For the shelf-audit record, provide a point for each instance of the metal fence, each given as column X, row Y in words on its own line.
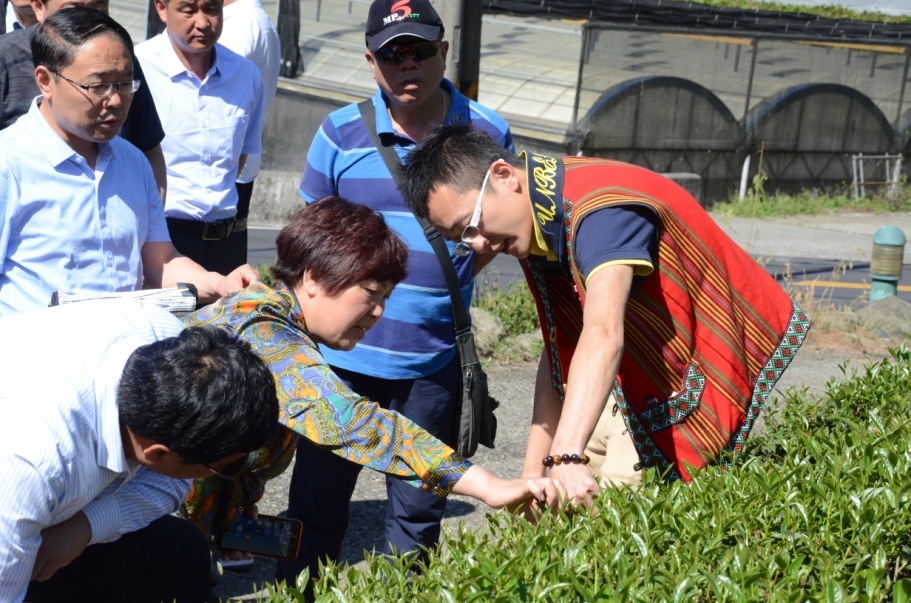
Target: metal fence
column 706, row 102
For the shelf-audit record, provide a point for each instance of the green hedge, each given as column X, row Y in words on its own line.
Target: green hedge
column 830, row 11
column 817, row 511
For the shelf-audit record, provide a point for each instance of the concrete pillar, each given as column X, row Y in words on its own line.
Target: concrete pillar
column 462, row 20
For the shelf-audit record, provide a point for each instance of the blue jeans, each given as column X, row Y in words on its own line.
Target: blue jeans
column 322, row 483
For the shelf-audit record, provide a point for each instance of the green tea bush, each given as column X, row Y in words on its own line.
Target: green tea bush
column 514, row 306
column 817, row 510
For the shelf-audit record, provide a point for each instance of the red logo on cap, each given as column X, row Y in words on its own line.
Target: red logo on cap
column 401, row 5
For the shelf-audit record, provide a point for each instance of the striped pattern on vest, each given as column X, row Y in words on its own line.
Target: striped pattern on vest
column 705, row 337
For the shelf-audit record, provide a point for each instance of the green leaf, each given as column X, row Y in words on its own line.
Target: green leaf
column 640, row 544
column 901, row 591
column 834, row 592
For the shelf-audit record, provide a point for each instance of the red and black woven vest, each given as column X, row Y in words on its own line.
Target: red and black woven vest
column 706, row 335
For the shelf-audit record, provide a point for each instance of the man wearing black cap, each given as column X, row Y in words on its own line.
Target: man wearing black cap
column 408, row 361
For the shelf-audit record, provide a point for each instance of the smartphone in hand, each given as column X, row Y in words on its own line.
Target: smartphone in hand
column 268, row 535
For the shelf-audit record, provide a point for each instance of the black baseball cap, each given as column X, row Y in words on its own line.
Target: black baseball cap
column 390, row 19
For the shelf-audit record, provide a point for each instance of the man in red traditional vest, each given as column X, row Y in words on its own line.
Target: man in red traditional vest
column 662, row 337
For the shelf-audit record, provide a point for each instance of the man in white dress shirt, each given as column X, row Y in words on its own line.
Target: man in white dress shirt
column 79, row 208
column 109, row 407
column 248, row 31
column 209, row 100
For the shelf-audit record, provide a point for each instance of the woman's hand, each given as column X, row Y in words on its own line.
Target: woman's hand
column 539, row 492
column 511, row 493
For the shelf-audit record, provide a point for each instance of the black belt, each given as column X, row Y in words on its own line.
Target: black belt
column 207, row 231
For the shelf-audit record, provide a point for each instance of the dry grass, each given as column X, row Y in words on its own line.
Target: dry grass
column 836, row 328
column 842, row 332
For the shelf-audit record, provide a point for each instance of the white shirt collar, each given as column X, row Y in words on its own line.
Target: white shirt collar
column 170, row 62
column 54, row 147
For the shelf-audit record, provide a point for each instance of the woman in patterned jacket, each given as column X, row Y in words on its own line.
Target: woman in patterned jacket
column 337, row 263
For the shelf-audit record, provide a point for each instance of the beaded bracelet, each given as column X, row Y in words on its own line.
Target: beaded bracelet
column 557, row 459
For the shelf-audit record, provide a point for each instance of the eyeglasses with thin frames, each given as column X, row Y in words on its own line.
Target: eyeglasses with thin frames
column 103, row 91
column 230, row 472
column 394, row 54
column 471, row 231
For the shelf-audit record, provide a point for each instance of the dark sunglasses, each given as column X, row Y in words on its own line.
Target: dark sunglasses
column 231, row 471
column 394, row 54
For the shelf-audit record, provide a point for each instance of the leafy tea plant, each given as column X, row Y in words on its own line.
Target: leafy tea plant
column 264, row 275
column 817, row 509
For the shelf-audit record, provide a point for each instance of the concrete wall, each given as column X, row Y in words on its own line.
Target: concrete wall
column 808, row 134
column 668, row 124
column 804, row 136
column 296, row 116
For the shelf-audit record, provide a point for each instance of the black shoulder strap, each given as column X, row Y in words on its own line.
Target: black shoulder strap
column 459, row 313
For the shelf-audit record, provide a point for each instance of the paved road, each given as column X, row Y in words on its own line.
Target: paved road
column 842, row 281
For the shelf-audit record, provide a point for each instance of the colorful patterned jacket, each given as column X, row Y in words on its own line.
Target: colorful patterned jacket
column 706, row 335
column 315, row 404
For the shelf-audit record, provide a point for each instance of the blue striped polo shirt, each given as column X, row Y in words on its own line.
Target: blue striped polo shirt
column 415, row 337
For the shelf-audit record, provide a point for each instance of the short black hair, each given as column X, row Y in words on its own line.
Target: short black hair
column 64, row 32
column 204, row 394
column 457, row 156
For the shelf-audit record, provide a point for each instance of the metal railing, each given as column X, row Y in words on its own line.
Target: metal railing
column 885, row 167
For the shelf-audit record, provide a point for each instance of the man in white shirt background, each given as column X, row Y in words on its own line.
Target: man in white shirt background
column 79, row 208
column 209, row 100
column 101, row 430
column 248, row 31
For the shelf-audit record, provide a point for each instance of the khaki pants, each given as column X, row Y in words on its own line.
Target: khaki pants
column 613, row 456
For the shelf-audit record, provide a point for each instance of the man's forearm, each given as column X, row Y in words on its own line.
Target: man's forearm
column 163, row 266
column 182, row 269
column 591, row 377
column 61, row 544
column 134, row 505
column 481, row 260
column 596, row 359
column 544, row 421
